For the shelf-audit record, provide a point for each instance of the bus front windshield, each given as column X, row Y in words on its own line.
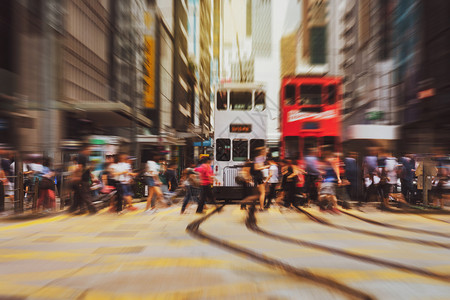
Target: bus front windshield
column 241, row 100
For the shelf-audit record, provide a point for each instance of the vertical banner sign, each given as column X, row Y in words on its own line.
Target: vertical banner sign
column 149, row 60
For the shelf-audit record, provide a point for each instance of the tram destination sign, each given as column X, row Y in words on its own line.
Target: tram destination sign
column 241, row 128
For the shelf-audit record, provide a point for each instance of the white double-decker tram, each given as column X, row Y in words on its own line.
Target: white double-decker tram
column 240, row 119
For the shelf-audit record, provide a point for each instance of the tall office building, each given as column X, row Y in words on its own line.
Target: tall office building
column 369, row 101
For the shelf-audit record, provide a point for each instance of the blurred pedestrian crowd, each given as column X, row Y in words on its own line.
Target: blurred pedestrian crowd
column 322, row 177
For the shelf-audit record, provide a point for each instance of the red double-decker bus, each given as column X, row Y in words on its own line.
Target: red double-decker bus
column 310, row 114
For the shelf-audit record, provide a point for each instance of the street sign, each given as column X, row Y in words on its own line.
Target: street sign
column 375, row 115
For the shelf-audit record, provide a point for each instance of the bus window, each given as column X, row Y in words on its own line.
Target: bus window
column 241, row 100
column 310, row 94
column 254, row 144
column 240, row 149
column 221, row 100
column 331, row 94
column 223, row 147
column 291, row 147
column 289, row 94
column 260, row 101
column 309, row 143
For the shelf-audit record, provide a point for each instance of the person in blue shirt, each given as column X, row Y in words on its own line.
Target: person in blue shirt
column 312, row 174
column 351, row 174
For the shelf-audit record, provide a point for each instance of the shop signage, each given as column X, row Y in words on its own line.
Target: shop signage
column 426, row 93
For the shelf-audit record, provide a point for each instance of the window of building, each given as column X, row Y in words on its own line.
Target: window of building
column 240, row 149
column 223, row 147
column 318, row 45
column 310, row 94
column 221, row 100
column 260, row 101
column 289, row 94
column 241, row 100
column 291, row 144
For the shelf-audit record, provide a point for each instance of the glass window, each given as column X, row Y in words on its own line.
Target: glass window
column 240, row 149
column 221, row 100
column 310, row 125
column 309, row 143
column 330, row 142
column 317, row 44
column 289, row 94
column 223, row 147
column 260, row 101
column 331, row 94
column 254, row 144
column 291, row 147
column 310, row 94
column 241, row 100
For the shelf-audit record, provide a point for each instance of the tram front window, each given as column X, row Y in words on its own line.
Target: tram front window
column 241, row 100
column 260, row 101
column 240, row 149
column 291, row 147
column 221, row 99
column 309, row 143
column 223, row 147
column 311, row 94
column 255, row 144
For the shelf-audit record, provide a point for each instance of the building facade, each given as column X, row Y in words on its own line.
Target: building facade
column 369, row 115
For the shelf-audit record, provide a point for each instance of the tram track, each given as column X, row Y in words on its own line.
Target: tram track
column 392, row 226
column 372, row 233
column 252, row 225
column 194, row 229
column 434, row 219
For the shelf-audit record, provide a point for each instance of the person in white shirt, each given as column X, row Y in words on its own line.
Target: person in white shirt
column 273, row 182
column 153, row 183
column 122, row 172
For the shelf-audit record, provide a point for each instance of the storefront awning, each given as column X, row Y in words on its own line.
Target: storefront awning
column 160, row 140
column 108, row 114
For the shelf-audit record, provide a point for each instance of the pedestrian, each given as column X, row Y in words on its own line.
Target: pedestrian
column 351, row 174
column 273, row 182
column 46, row 187
column 330, row 178
column 441, row 178
column 124, row 174
column 312, row 175
column 191, row 185
column 407, row 170
column 248, row 176
column 81, row 183
column 371, row 174
column 206, row 182
column 259, row 168
column 152, row 179
column 290, row 178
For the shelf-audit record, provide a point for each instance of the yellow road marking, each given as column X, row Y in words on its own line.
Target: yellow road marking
column 35, row 222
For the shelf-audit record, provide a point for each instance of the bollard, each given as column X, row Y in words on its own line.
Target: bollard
column 35, row 193
column 2, row 197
